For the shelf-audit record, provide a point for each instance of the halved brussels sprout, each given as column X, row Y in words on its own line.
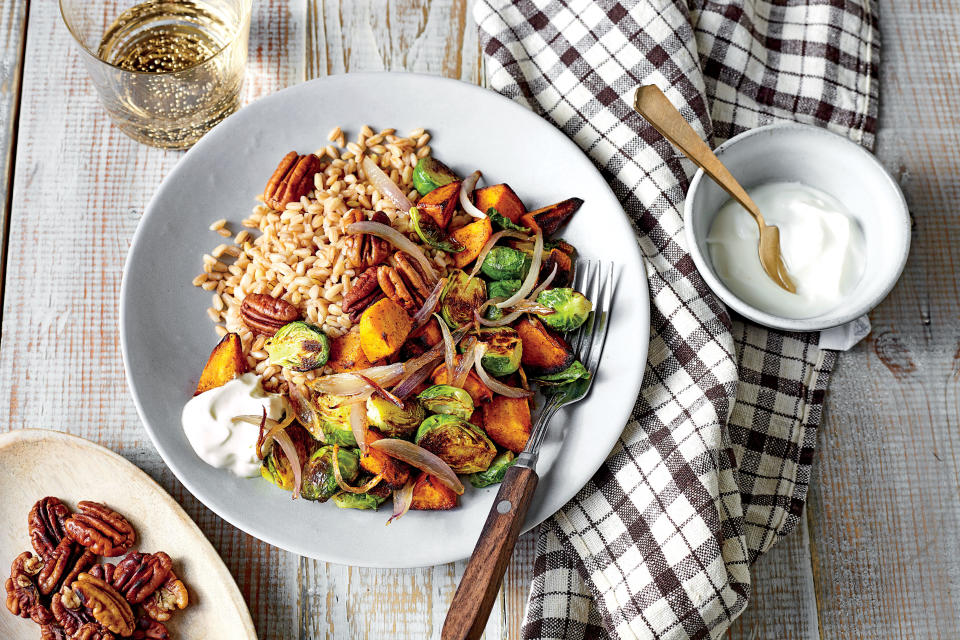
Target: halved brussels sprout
column 332, row 424
column 461, row 297
column 504, row 222
column 276, row 468
column 299, row 345
column 430, row 173
column 447, row 400
column 495, row 472
column 500, row 289
column 319, row 483
column 504, row 263
column 457, row 442
column 391, row 420
column 346, row 500
column 431, row 233
column 570, row 307
column 504, row 350
column 575, row 371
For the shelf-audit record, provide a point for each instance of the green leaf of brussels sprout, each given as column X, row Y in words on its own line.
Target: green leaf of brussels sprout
column 319, row 483
column 346, row 500
column 500, row 289
column 504, row 222
column 504, row 350
column 391, row 420
column 299, row 346
column 447, row 400
column 570, row 307
column 575, row 371
column 504, row 263
column 332, row 425
column 461, row 297
column 430, row 173
column 460, row 444
column 495, row 472
column 431, row 233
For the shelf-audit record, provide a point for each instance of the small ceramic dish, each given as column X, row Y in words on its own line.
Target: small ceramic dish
column 826, row 161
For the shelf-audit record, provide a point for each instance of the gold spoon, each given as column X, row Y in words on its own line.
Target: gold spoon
column 659, row 112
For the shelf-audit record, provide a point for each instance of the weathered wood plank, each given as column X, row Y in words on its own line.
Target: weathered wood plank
column 884, row 510
column 79, row 191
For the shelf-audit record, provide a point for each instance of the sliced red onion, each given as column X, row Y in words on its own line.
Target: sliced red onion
column 398, row 240
column 492, row 383
column 382, row 182
column 489, row 245
column 269, row 428
column 531, row 280
column 402, row 499
column 286, row 444
column 422, row 316
column 449, row 351
column 383, row 393
column 338, row 476
column 544, row 284
column 358, row 425
column 421, row 459
column 463, row 369
column 348, row 384
column 413, row 379
column 466, row 189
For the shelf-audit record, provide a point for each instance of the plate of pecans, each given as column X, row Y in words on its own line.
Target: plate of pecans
column 97, row 549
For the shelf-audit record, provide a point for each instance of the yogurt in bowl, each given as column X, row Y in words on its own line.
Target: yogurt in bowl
column 844, row 227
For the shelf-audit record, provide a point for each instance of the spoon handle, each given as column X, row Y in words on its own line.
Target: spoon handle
column 653, row 105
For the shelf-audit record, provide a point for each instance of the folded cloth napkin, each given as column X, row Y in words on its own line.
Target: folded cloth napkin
column 713, row 466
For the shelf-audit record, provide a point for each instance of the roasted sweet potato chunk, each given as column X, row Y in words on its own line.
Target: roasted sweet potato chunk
column 384, row 327
column 429, row 494
column 543, row 350
column 395, row 472
column 472, row 236
column 502, row 198
column 507, row 422
column 478, row 391
column 440, row 203
column 551, row 218
column 346, row 354
column 225, row 363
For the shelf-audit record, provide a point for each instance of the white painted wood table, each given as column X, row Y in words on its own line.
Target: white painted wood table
column 878, row 554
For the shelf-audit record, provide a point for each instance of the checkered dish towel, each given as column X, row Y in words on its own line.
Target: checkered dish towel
column 713, row 466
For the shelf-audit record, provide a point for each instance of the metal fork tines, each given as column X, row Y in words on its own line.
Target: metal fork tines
column 593, row 279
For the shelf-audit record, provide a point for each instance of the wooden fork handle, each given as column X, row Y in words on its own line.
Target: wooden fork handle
column 656, row 108
column 478, row 588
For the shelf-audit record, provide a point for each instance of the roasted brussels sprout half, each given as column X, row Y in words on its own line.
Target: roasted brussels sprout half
column 503, row 352
column 391, row 420
column 457, row 442
column 332, row 424
column 500, row 289
column 319, row 483
column 495, row 472
column 447, row 400
column 431, row 233
column 346, row 500
column 503, row 222
column 504, row 263
column 575, row 371
column 461, row 297
column 299, row 345
column 276, row 468
column 430, row 173
column 570, row 307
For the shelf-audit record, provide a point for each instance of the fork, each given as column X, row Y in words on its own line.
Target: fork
column 474, row 598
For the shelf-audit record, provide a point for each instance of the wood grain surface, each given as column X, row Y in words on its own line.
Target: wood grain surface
column 878, row 555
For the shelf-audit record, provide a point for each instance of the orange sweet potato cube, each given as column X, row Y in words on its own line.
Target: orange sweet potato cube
column 429, row 494
column 472, row 236
column 507, row 422
column 225, row 363
column 440, row 203
column 502, row 198
column 346, row 354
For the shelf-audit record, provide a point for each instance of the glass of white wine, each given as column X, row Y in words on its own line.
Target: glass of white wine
column 167, row 71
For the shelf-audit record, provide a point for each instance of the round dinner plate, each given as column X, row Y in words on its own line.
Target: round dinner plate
column 166, row 334
column 38, row 463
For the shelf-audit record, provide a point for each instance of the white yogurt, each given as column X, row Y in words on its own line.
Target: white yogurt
column 821, row 243
column 219, row 441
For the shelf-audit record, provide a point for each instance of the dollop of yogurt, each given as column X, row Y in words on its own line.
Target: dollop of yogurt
column 821, row 243
column 219, row 440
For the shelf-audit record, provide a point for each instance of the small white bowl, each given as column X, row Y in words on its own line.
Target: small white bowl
column 826, row 161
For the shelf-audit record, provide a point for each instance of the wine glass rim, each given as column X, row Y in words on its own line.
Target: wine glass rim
column 247, row 8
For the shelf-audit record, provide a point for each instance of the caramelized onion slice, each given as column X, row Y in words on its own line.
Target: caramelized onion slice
column 387, row 187
column 421, row 459
column 402, row 499
column 466, row 189
column 374, row 481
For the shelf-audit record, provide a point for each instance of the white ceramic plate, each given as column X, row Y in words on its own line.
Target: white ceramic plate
column 38, row 463
column 166, row 335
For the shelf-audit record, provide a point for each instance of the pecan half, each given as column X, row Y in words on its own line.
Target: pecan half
column 104, row 531
column 63, row 566
column 172, row 595
column 53, row 632
column 264, row 314
column 104, row 603
column 103, row 571
column 364, row 250
column 393, row 286
column 412, row 275
column 23, row 597
column 45, row 524
column 292, row 179
column 364, row 291
column 140, row 574
column 68, row 612
column 148, row 629
column 92, row 631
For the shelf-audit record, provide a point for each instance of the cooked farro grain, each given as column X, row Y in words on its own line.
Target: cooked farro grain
column 297, row 255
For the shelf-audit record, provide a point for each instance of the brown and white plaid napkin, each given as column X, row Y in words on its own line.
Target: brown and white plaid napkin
column 713, row 467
